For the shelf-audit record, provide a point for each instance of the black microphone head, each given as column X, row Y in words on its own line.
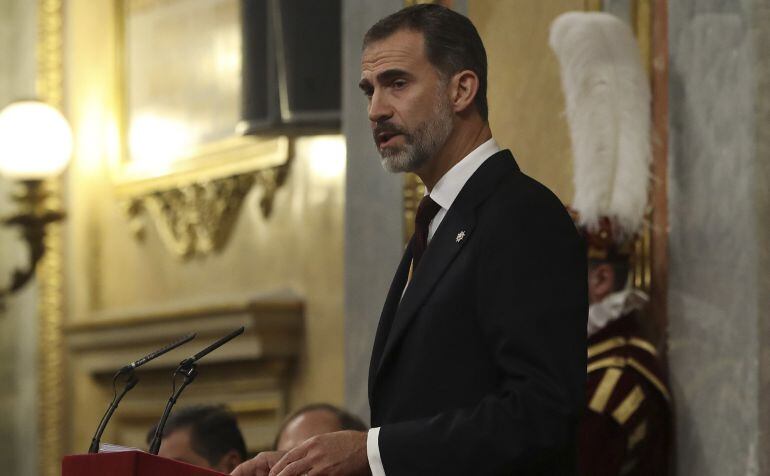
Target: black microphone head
column 219, row 343
column 157, row 353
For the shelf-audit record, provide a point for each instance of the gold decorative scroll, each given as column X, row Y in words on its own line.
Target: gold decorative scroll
column 192, row 195
column 198, row 218
column 49, row 275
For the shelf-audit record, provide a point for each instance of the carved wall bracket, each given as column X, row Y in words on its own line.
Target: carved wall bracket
column 198, row 218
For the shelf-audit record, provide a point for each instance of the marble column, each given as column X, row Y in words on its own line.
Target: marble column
column 18, row 313
column 719, row 210
column 373, row 210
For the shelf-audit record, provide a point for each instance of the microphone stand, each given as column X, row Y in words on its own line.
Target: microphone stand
column 190, row 371
column 188, row 368
column 131, row 381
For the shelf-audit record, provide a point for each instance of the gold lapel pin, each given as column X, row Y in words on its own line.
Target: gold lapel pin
column 460, row 236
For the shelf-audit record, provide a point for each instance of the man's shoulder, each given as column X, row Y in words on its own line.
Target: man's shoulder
column 519, row 189
column 509, row 184
column 518, row 197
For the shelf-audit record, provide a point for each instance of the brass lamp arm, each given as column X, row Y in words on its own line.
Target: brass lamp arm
column 33, row 225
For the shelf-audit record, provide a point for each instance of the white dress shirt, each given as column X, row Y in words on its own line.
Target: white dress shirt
column 444, row 194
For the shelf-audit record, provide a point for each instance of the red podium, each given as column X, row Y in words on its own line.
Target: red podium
column 129, row 463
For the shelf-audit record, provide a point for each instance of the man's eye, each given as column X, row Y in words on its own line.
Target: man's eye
column 399, row 83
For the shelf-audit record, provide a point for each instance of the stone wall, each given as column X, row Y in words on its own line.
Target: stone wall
column 719, row 221
column 18, row 319
column 373, row 210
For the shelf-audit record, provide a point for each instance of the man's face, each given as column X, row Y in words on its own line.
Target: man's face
column 177, row 446
column 601, row 282
column 409, row 108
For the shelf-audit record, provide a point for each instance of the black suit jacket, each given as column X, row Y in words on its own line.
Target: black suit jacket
column 480, row 368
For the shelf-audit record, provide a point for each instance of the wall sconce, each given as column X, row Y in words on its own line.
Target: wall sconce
column 35, row 144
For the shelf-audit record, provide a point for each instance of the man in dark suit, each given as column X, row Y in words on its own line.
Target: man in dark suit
column 478, row 365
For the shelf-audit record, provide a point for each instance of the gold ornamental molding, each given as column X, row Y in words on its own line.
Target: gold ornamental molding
column 49, row 275
column 192, row 195
column 195, row 215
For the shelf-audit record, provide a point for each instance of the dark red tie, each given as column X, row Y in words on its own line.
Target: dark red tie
column 425, row 213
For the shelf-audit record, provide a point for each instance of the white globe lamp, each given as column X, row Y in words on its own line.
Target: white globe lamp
column 35, row 141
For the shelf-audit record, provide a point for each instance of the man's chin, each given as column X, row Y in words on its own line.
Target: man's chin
column 394, row 167
column 397, row 162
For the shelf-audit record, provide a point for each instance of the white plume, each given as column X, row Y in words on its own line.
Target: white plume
column 608, row 111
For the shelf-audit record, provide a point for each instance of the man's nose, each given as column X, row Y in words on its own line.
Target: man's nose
column 379, row 108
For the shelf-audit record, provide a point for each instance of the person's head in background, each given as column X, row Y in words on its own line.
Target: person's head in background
column 313, row 420
column 203, row 435
column 606, row 277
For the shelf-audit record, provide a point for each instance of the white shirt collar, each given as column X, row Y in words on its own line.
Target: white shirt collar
column 448, row 187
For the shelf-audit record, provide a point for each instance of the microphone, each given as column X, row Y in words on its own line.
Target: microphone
column 155, row 354
column 131, row 381
column 188, row 369
column 219, row 343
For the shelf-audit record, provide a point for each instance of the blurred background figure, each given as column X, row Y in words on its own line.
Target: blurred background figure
column 312, row 420
column 203, row 435
column 626, row 427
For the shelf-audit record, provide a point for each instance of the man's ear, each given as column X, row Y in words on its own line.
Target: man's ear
column 465, row 86
column 229, row 462
column 601, row 281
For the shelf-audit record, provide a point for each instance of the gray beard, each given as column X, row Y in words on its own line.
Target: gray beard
column 422, row 144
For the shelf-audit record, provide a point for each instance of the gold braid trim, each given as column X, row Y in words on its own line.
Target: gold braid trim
column 629, row 405
column 616, row 342
column 655, row 381
column 621, row 362
column 639, row 433
column 604, row 390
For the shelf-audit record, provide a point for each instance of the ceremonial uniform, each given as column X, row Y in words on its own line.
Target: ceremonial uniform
column 625, row 429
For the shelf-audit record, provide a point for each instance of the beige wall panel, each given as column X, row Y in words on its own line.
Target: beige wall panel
column 18, row 313
column 297, row 250
column 525, row 97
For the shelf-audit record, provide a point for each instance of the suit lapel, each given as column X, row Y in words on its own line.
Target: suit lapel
column 449, row 239
column 389, row 311
column 442, row 250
